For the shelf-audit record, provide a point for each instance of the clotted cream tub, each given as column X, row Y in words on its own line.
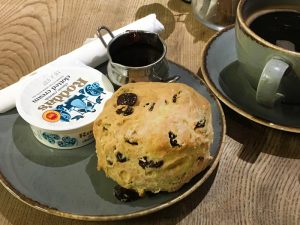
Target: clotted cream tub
column 61, row 104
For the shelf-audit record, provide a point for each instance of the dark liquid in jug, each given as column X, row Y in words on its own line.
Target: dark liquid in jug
column 277, row 27
column 137, row 55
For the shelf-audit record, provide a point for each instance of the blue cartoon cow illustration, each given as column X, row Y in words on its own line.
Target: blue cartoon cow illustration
column 78, row 105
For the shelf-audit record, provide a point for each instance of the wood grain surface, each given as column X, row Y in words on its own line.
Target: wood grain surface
column 257, row 180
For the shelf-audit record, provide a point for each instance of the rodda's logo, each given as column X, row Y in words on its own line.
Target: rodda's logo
column 62, row 96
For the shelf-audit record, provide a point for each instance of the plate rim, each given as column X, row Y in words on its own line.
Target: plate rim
column 52, row 211
column 228, row 102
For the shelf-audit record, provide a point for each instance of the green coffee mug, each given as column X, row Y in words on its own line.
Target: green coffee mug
column 268, row 42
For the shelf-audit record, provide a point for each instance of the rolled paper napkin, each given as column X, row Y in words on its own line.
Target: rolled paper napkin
column 92, row 54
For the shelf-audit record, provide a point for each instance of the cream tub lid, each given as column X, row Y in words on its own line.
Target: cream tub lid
column 64, row 98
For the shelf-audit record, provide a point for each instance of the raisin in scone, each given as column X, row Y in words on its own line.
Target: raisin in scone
column 154, row 136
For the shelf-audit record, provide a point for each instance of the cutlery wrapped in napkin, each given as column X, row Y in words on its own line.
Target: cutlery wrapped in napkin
column 90, row 54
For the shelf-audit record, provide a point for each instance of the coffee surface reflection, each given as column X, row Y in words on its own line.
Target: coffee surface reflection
column 281, row 28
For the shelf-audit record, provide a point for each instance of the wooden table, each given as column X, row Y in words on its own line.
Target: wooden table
column 258, row 178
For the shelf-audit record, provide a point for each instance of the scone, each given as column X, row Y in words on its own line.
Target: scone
column 154, row 136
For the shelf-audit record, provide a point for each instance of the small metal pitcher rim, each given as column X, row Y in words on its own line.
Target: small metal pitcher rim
column 114, row 38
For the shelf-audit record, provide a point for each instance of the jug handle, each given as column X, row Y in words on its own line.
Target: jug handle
column 101, row 37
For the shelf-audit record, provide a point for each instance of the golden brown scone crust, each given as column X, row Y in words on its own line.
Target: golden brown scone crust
column 161, row 144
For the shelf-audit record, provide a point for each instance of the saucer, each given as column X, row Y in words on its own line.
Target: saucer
column 224, row 76
column 66, row 183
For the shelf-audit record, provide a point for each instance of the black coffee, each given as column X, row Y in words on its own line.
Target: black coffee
column 279, row 28
column 137, row 55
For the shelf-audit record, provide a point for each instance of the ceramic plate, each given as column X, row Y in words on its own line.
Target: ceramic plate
column 67, row 184
column 224, row 77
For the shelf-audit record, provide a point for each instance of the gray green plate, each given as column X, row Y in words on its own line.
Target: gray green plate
column 66, row 183
column 224, row 76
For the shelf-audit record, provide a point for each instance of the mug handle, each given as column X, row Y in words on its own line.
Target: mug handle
column 267, row 90
column 101, row 37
